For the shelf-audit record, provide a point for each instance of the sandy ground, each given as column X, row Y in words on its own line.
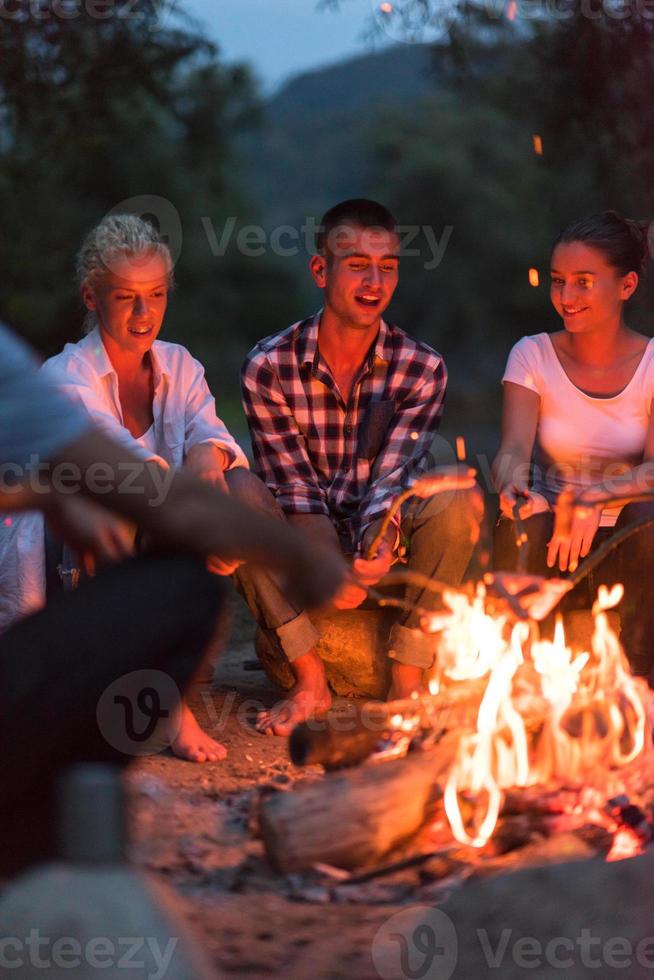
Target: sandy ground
column 193, row 828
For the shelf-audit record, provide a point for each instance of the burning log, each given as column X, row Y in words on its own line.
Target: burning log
column 339, row 743
column 352, row 818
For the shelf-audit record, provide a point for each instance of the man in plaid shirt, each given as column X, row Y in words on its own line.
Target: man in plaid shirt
column 342, row 409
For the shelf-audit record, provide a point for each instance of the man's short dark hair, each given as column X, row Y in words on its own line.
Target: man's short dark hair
column 357, row 211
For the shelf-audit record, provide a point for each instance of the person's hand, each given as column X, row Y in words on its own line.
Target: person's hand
column 208, row 463
column 316, row 574
column 372, row 570
column 95, row 534
column 366, row 571
column 219, row 566
column 526, row 596
column 511, row 493
column 349, row 596
column 573, row 541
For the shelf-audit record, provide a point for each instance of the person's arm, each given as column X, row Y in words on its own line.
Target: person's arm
column 189, row 515
column 279, row 445
column 203, row 429
column 511, row 465
column 402, row 455
column 577, row 518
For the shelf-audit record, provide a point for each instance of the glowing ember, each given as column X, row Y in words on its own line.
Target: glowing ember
column 386, row 8
column 460, row 449
column 534, row 278
column 546, row 716
column 538, row 145
column 626, row 844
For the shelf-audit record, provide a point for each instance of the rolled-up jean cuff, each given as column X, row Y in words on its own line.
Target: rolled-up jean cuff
column 411, row 646
column 297, row 637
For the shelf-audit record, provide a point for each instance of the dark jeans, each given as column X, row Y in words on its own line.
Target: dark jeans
column 146, row 614
column 631, row 563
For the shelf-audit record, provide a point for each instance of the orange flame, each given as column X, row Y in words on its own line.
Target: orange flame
column 590, row 716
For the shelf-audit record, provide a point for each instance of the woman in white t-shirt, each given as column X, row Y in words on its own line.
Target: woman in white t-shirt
column 577, row 412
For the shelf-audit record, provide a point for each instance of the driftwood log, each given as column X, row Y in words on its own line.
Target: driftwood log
column 354, row 817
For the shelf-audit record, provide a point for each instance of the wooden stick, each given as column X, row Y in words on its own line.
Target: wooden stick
column 600, row 553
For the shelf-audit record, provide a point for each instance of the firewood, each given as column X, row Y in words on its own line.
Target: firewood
column 336, row 742
column 354, row 817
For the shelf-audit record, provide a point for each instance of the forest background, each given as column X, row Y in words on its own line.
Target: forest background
column 140, row 112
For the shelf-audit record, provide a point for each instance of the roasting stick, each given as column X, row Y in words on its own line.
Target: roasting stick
column 439, row 480
column 551, row 590
column 564, row 510
column 521, row 539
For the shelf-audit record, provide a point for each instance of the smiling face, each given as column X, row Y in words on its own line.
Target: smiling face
column 358, row 273
column 587, row 292
column 130, row 301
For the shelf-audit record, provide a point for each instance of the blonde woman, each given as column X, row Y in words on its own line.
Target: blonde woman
column 149, row 395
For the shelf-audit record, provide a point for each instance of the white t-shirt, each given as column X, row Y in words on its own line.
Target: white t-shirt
column 581, row 439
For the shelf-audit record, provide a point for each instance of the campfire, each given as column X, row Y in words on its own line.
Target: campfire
column 547, row 716
column 523, row 750
column 519, row 740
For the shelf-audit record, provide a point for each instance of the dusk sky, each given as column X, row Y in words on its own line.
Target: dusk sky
column 283, row 37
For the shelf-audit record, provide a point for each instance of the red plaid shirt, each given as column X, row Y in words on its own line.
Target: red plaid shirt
column 320, row 456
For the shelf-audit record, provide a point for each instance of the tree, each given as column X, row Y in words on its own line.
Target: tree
column 97, row 107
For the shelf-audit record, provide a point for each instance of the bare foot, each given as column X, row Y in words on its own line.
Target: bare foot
column 194, row 744
column 307, row 698
column 405, row 680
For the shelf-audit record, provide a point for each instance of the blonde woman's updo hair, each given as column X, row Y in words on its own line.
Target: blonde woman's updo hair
column 117, row 236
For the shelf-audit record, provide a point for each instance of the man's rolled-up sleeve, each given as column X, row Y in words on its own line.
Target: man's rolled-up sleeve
column 279, row 446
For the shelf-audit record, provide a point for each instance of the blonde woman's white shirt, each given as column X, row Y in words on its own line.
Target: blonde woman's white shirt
column 184, row 414
column 581, row 439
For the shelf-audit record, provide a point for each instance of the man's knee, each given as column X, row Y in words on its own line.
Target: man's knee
column 247, row 488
